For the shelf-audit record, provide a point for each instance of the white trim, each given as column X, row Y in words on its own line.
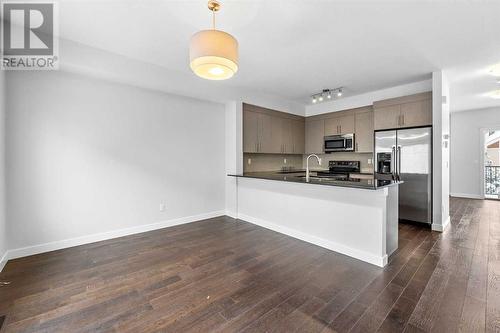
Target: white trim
column 380, row 261
column 65, row 243
column 466, row 195
column 443, row 227
column 3, row 261
column 232, row 214
column 482, row 153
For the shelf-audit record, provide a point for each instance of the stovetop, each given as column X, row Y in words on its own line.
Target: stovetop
column 340, row 170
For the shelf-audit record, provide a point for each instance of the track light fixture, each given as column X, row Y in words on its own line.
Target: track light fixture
column 326, row 94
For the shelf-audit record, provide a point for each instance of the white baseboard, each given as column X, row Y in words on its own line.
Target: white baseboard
column 3, row 261
column 466, row 195
column 232, row 214
column 361, row 255
column 65, row 243
column 441, row 227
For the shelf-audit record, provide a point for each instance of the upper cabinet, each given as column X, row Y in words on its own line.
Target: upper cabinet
column 315, row 136
column 273, row 132
column 298, row 137
column 387, row 117
column 408, row 111
column 364, row 132
column 256, row 132
column 339, row 125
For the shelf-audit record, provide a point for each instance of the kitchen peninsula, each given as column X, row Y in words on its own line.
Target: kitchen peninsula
column 343, row 206
column 358, row 219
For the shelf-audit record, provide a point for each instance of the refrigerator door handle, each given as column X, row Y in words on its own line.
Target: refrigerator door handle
column 399, row 163
column 393, row 163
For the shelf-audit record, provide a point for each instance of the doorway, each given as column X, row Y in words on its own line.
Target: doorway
column 492, row 164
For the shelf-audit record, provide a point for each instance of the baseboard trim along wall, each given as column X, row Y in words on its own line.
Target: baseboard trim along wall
column 466, row 195
column 3, row 261
column 66, row 243
column 439, row 227
column 361, row 255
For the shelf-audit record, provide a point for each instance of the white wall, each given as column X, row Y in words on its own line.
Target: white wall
column 466, row 150
column 368, row 98
column 441, row 151
column 3, row 229
column 85, row 156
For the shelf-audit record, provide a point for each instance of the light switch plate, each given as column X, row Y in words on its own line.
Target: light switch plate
column 249, row 161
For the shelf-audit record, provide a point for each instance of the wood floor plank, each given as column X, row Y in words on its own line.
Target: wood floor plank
column 226, row 275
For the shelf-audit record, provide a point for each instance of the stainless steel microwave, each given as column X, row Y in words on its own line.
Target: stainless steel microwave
column 335, row 143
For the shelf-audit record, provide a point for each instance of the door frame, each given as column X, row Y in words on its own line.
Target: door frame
column 482, row 150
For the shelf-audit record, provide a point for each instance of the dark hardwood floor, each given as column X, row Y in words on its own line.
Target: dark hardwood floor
column 224, row 275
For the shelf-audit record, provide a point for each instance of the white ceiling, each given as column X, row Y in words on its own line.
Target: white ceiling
column 295, row 48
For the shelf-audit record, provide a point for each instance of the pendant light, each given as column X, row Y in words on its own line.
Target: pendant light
column 213, row 54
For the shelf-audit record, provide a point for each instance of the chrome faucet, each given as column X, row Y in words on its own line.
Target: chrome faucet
column 307, row 165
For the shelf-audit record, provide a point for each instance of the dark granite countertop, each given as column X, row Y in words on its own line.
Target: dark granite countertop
column 367, row 184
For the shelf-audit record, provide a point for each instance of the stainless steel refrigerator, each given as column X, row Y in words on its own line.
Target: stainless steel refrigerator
column 406, row 155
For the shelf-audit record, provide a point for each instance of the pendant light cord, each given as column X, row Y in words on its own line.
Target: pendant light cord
column 213, row 19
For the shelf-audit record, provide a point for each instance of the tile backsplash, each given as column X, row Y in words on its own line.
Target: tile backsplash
column 366, row 160
column 270, row 162
column 274, row 162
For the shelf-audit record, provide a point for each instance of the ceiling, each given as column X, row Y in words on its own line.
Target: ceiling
column 296, row 48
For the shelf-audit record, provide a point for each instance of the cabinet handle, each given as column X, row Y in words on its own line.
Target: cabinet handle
column 357, row 146
column 403, row 119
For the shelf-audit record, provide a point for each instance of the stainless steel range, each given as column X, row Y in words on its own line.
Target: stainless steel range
column 340, row 170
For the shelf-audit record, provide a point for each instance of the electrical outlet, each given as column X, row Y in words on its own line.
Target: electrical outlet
column 284, row 160
column 163, row 207
column 370, row 161
column 249, row 161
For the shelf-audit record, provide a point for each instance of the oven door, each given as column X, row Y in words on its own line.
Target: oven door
column 335, row 143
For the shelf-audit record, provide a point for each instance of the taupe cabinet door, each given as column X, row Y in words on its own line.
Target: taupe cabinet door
column 250, row 132
column 287, row 136
column 387, row 117
column 364, row 132
column 256, row 132
column 404, row 112
column 276, row 145
column 270, row 133
column 315, row 136
column 339, row 125
column 298, row 137
column 416, row 113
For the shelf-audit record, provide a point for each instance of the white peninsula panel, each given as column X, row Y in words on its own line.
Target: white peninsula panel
column 360, row 223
